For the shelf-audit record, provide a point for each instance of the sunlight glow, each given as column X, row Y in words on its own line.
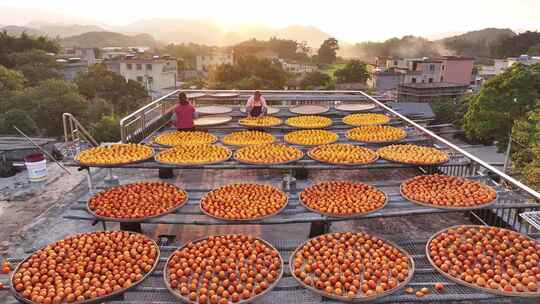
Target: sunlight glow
column 348, row 20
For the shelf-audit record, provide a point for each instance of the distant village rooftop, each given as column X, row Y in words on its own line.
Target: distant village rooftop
column 433, row 85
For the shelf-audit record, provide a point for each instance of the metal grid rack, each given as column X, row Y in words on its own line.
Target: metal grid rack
column 294, row 212
column 289, row 291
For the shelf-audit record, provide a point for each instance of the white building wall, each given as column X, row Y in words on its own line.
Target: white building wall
column 205, row 62
column 154, row 75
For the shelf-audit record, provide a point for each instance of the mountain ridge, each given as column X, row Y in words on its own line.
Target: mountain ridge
column 108, row 39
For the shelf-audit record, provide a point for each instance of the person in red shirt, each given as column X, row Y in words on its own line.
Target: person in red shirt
column 185, row 114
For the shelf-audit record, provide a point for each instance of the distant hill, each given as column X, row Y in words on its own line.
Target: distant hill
column 15, row 30
column 105, row 39
column 476, row 43
column 64, row 30
column 177, row 30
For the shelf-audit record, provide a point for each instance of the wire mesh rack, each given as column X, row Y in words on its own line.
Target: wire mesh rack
column 295, row 212
column 288, row 290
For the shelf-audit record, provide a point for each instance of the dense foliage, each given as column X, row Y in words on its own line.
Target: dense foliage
column 501, row 101
column 526, row 148
column 315, row 80
column 10, row 45
column 33, row 96
column 353, row 71
column 46, row 102
column 289, row 50
column 478, row 44
column 524, row 43
column 405, row 47
column 124, row 96
column 248, row 73
column 327, row 53
column 451, row 110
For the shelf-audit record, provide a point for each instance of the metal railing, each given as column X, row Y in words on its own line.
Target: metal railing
column 75, row 135
column 144, row 121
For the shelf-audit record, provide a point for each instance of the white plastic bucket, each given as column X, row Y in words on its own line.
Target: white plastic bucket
column 36, row 165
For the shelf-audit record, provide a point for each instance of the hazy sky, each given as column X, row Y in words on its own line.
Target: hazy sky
column 348, row 20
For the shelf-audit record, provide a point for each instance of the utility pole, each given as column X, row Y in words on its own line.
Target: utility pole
column 508, row 147
column 507, row 156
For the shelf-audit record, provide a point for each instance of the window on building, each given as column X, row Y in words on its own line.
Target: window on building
column 443, row 67
column 139, row 78
column 442, row 79
column 432, row 68
column 430, row 80
column 129, row 66
column 413, row 80
column 139, row 66
column 148, row 67
column 395, row 62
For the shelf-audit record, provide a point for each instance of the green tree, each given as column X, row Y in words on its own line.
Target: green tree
column 516, row 45
column 501, row 101
column 290, row 50
column 405, row 47
column 19, row 118
column 101, row 83
column 526, row 148
column 353, row 71
column 106, row 129
column 314, row 79
column 36, row 65
column 328, row 51
column 46, row 102
column 10, row 80
column 450, row 111
column 248, row 73
column 18, row 44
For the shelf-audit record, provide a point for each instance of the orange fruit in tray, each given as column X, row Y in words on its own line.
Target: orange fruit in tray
column 268, row 154
column 245, row 138
column 345, row 154
column 340, row 198
column 376, row 134
column 185, row 138
column 194, row 154
column 263, row 121
column 492, row 259
column 137, row 200
column 351, row 266
column 447, row 191
column 114, row 154
column 311, row 137
column 365, row 119
column 86, row 267
column 243, row 201
column 223, row 269
column 309, row 122
column 413, row 154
